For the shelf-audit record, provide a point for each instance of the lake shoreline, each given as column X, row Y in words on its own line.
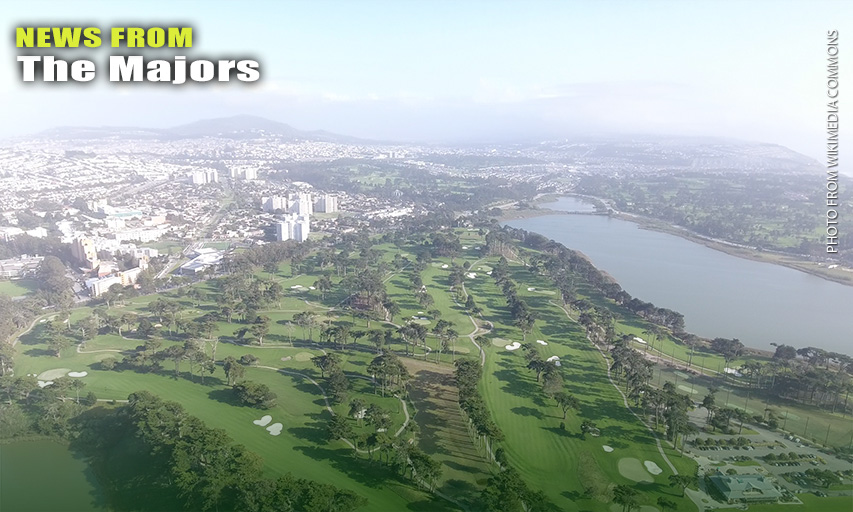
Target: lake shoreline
column 789, row 261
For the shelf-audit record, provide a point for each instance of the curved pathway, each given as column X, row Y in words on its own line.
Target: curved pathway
column 624, row 398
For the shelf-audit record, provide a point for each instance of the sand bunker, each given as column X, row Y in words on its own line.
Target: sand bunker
column 77, row 374
column 607, row 448
column 53, row 374
column 471, row 275
column 652, row 468
column 489, row 273
column 263, row 421
column 531, row 289
column 555, row 360
column 43, row 384
column 303, row 356
column 639, row 340
column 633, row 469
column 513, row 346
column 296, row 287
column 542, row 342
column 445, row 265
column 420, row 312
column 274, row 429
column 312, row 288
column 464, row 247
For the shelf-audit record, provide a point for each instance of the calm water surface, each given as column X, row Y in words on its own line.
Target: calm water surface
column 718, row 294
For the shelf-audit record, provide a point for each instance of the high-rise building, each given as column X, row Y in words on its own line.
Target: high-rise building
column 293, row 227
column 326, row 203
column 83, row 250
column 271, row 204
column 301, row 204
column 211, row 176
column 250, row 174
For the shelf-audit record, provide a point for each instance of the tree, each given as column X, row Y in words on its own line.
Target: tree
column 588, row 427
column 260, row 328
column 326, row 362
column 357, row 408
column 233, row 370
column 785, row 353
column 339, row 428
column 626, row 496
column 338, row 385
column 682, row 481
column 254, row 394
column 666, row 504
column 566, row 401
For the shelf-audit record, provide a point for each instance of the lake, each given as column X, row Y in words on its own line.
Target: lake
column 45, row 476
column 719, row 295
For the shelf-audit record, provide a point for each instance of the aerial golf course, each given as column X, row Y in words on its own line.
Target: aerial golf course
column 572, row 467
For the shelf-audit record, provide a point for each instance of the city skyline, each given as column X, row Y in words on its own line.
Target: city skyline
column 474, row 72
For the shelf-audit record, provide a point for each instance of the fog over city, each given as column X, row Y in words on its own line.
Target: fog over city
column 471, row 72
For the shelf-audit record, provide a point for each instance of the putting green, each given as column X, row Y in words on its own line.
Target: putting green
column 682, row 375
column 421, row 322
column 686, row 389
column 546, row 292
column 633, row 469
column 500, row 342
column 303, row 356
column 53, row 374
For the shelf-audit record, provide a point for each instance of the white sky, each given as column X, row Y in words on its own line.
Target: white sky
column 442, row 70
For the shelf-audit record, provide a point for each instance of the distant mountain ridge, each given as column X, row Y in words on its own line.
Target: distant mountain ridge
column 235, row 127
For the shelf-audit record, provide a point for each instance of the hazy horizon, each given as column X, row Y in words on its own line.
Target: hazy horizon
column 442, row 72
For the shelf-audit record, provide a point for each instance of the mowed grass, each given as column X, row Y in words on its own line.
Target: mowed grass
column 18, row 287
column 302, row 447
column 574, row 473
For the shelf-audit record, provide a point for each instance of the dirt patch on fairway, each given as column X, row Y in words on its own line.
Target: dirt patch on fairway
column 286, row 358
column 303, row 356
column 633, row 469
column 444, row 432
column 591, row 477
column 53, row 374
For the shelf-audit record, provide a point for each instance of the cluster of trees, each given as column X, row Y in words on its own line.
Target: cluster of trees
column 522, row 316
column 208, row 469
column 48, row 411
column 389, row 373
column 480, row 425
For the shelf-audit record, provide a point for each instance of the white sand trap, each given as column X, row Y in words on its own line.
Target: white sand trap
column 77, row 374
column 286, row 358
column 53, row 374
column 607, row 448
column 633, row 469
column 639, row 340
column 158, row 325
column 296, row 287
column 542, row 342
column 471, row 275
column 44, row 384
column 445, row 265
column 553, row 358
column 303, row 356
column 489, row 273
column 420, row 312
column 464, row 247
column 312, row 288
column 274, row 429
column 531, row 289
column 263, row 421
column 687, row 389
column 513, row 346
column 652, row 468
column 477, row 248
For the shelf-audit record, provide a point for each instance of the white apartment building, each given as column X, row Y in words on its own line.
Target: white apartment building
column 301, row 204
column 326, row 203
column 271, row 204
column 293, row 227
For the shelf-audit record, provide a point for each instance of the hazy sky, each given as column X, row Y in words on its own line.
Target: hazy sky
column 466, row 70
